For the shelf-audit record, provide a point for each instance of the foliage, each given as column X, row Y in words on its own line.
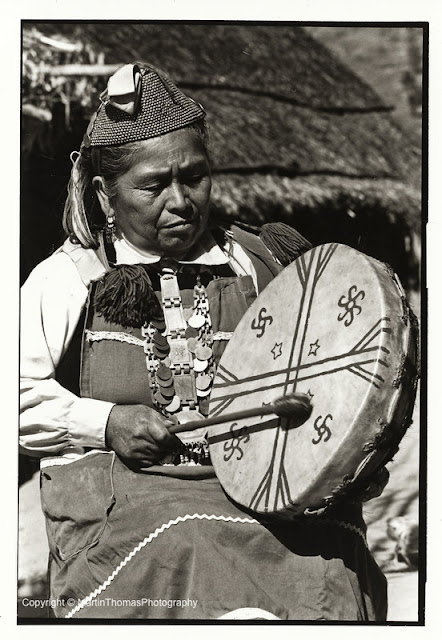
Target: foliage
column 41, row 88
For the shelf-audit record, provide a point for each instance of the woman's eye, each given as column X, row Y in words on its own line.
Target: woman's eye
column 153, row 188
column 191, row 180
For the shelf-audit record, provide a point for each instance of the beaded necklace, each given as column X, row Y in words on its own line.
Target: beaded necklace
column 179, row 358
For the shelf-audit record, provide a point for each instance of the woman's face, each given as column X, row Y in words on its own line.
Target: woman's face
column 162, row 201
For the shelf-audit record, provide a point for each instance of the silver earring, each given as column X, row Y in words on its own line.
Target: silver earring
column 110, row 228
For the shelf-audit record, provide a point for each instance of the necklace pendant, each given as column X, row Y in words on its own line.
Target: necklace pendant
column 196, row 321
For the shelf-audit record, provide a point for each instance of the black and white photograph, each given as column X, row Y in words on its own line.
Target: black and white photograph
column 223, row 320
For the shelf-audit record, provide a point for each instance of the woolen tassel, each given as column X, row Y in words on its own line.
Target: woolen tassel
column 125, row 296
column 283, row 242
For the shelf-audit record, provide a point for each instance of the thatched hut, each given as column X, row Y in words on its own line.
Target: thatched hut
column 295, row 135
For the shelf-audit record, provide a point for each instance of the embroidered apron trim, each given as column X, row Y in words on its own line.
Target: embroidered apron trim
column 119, row 336
column 346, row 525
column 143, row 543
column 196, row 516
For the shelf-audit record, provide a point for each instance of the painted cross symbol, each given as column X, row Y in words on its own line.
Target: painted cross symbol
column 350, row 305
column 230, row 446
column 260, row 324
column 323, row 430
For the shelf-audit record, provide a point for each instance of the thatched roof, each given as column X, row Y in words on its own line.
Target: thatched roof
column 292, row 128
column 282, row 61
column 275, row 98
column 280, row 136
column 266, row 194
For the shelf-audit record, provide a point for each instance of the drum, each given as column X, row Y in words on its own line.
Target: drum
column 335, row 325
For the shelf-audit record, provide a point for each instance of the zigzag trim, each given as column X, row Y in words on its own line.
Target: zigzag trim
column 195, row 516
column 143, row 543
column 346, row 525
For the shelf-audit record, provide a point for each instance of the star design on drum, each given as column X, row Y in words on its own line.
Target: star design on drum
column 314, row 346
column 277, row 350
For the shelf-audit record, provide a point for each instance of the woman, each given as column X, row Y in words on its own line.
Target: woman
column 123, row 328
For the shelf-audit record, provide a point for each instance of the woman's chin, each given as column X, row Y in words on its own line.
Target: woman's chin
column 180, row 240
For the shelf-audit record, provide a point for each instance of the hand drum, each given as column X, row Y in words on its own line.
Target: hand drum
column 334, row 325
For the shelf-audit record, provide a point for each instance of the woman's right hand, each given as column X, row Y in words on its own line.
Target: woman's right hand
column 140, row 435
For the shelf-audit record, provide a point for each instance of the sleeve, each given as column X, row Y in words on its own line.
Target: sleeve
column 51, row 417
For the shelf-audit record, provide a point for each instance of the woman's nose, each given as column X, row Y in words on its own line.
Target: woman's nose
column 177, row 197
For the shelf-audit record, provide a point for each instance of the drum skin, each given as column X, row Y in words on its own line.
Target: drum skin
column 334, row 325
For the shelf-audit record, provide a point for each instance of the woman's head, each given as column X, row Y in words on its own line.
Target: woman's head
column 166, row 131
column 161, row 201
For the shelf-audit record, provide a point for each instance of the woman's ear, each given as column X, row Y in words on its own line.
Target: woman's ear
column 102, row 196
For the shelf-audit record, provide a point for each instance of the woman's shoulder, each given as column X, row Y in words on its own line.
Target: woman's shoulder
column 70, row 264
column 73, row 257
column 282, row 241
column 86, row 261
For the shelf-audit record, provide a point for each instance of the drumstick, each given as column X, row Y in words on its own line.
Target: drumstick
column 296, row 406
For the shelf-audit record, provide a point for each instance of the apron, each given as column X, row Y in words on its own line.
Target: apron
column 128, row 545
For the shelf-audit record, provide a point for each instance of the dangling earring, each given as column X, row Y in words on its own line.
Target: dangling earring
column 110, row 228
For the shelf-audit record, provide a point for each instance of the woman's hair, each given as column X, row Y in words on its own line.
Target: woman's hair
column 82, row 216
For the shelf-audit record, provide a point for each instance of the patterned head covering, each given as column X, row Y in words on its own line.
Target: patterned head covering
column 139, row 103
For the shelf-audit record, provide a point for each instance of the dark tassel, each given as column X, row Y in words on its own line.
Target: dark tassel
column 283, row 242
column 125, row 296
